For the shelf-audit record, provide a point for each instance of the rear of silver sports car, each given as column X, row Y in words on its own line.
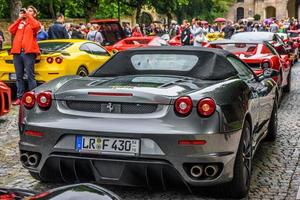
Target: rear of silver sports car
column 126, row 137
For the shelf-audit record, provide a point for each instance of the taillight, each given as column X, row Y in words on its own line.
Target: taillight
column 44, row 99
column 59, row 60
column 28, row 100
column 183, row 106
column 206, row 107
column 50, row 60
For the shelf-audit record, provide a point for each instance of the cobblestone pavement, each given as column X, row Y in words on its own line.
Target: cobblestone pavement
column 276, row 170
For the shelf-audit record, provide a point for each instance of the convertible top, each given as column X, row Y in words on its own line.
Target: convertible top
column 229, row 41
column 211, row 65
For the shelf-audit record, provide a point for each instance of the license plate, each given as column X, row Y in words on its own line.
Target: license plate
column 104, row 145
column 13, row 76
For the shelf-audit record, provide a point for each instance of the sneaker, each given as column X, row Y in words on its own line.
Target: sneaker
column 16, row 102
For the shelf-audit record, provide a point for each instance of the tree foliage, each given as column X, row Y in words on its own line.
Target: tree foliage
column 184, row 9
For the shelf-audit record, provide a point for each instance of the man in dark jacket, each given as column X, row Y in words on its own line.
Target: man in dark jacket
column 228, row 30
column 57, row 30
column 185, row 34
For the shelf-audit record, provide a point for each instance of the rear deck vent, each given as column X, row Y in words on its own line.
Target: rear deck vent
column 106, row 107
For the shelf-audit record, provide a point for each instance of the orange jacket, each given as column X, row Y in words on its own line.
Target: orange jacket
column 25, row 36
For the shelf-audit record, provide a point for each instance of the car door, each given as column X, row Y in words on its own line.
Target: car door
column 261, row 102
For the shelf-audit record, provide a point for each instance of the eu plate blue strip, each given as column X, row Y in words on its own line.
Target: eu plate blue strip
column 78, row 142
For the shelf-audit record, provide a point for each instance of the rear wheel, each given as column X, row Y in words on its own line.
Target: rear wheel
column 82, row 71
column 287, row 88
column 272, row 129
column 240, row 184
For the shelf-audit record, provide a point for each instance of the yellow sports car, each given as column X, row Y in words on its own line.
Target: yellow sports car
column 58, row 58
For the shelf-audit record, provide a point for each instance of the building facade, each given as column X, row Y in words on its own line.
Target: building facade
column 265, row 8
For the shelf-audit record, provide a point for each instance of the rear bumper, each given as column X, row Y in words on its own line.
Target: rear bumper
column 61, row 162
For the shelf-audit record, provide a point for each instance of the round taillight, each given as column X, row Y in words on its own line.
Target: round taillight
column 58, row 60
column 183, row 106
column 206, row 107
column 49, row 60
column 28, row 100
column 44, row 99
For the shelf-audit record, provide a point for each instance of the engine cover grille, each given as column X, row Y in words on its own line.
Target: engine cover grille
column 106, row 107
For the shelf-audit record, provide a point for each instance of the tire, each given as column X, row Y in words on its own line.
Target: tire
column 240, row 184
column 287, row 88
column 272, row 129
column 82, row 71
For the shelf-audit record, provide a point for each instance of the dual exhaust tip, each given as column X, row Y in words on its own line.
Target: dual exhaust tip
column 209, row 171
column 31, row 160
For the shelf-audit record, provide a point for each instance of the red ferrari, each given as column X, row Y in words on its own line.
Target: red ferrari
column 175, row 41
column 259, row 55
column 135, row 42
column 5, row 99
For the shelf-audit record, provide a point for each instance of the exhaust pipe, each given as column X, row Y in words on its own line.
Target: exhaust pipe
column 24, row 158
column 196, row 171
column 211, row 170
column 33, row 160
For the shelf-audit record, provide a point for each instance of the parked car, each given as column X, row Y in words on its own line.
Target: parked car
column 5, row 99
column 151, row 116
column 135, row 42
column 111, row 30
column 294, row 45
column 58, row 58
column 77, row 191
column 259, row 56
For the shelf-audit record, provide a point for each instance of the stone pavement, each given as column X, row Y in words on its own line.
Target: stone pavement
column 276, row 166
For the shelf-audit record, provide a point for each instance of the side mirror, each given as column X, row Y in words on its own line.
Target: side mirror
column 270, row 73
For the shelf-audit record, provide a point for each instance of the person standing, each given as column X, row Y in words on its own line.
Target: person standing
column 25, row 48
column 228, row 30
column 95, row 34
column 1, row 39
column 198, row 34
column 185, row 34
column 42, row 34
column 57, row 30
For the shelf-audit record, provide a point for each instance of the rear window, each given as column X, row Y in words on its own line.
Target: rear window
column 172, row 62
column 54, row 46
column 136, row 41
column 294, row 34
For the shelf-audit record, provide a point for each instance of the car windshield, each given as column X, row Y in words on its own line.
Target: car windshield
column 54, row 46
column 174, row 62
column 237, row 47
column 253, row 36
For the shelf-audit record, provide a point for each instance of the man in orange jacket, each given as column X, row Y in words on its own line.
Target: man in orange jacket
column 25, row 48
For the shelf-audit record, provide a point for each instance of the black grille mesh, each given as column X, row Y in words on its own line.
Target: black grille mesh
column 105, row 107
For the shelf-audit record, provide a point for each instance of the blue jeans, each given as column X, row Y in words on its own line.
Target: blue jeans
column 24, row 63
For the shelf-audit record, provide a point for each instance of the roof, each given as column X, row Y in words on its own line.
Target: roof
column 103, row 20
column 212, row 64
column 141, row 38
column 64, row 40
column 254, row 36
column 236, row 42
column 294, row 31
